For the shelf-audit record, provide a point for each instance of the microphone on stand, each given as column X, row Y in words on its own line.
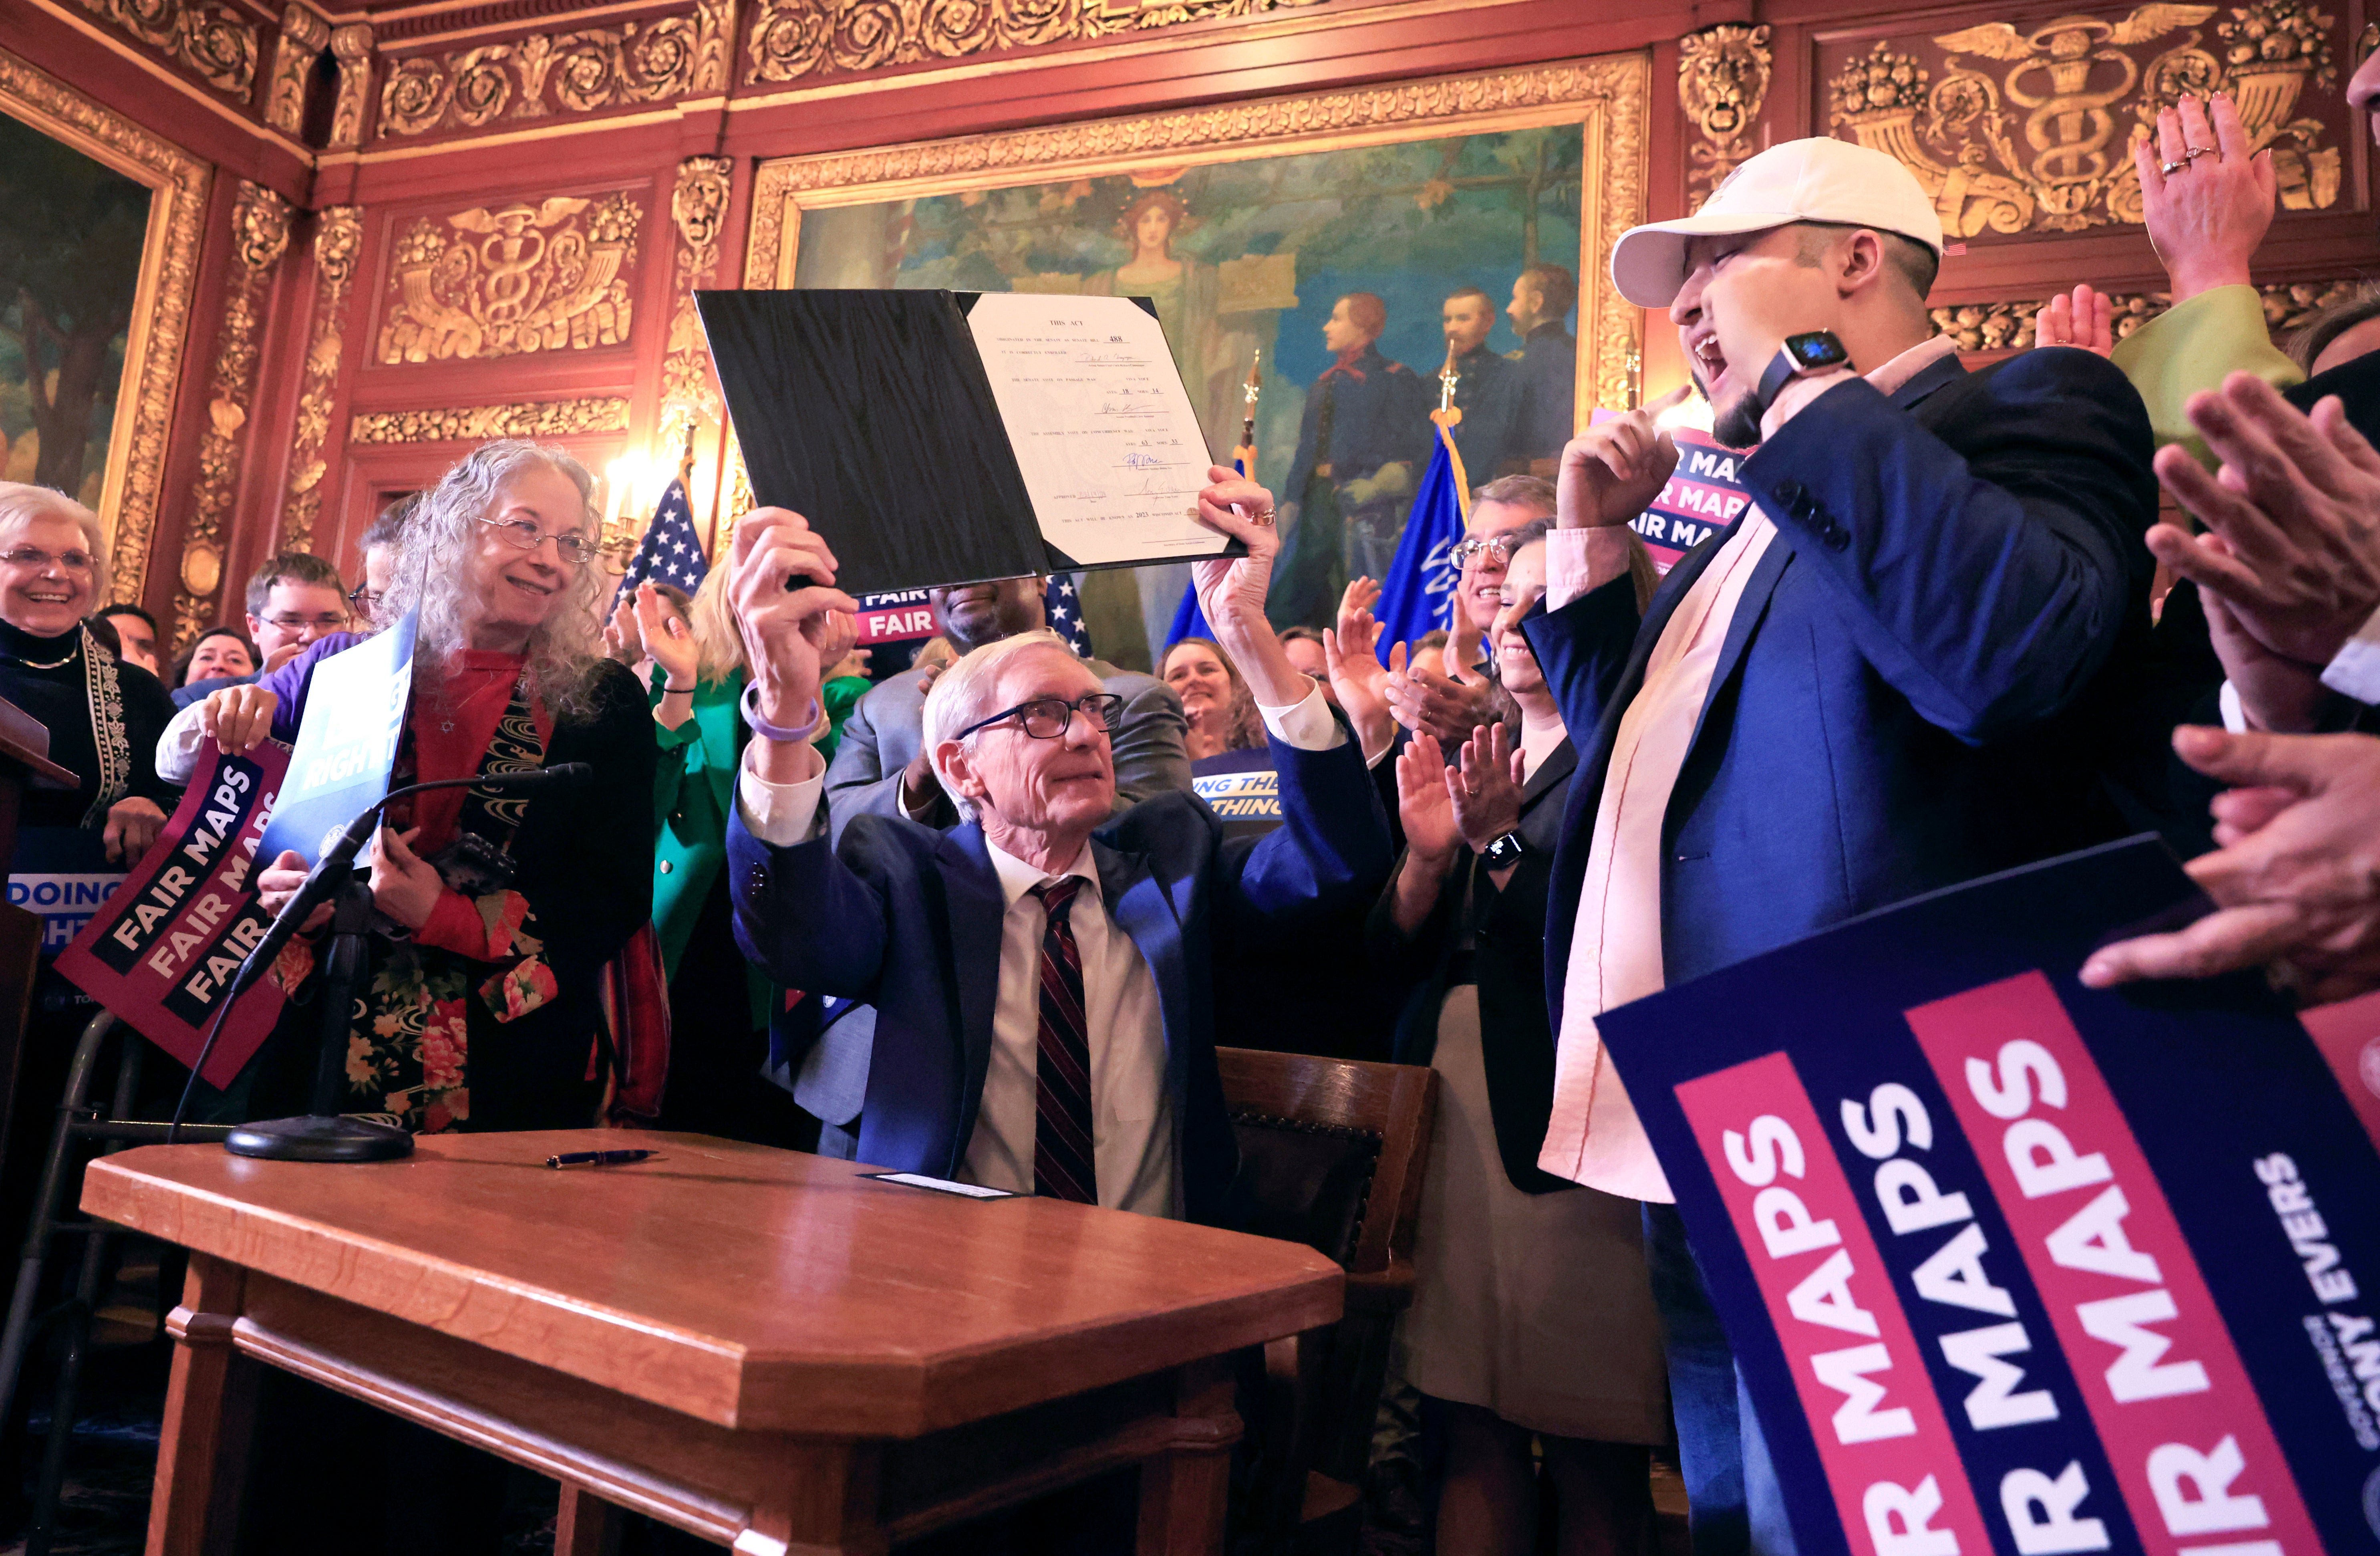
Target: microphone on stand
column 323, row 1134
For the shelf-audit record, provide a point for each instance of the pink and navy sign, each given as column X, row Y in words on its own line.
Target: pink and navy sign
column 2011, row 1265
column 1700, row 497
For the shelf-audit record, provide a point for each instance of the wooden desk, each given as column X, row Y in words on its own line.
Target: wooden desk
column 761, row 1347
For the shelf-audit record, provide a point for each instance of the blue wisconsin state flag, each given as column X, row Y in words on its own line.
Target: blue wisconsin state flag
column 672, row 552
column 1417, row 597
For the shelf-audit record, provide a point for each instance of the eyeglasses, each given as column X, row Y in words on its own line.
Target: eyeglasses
column 365, row 601
column 1048, row 718
column 39, row 560
column 2365, row 42
column 329, row 620
column 570, row 545
column 1499, row 548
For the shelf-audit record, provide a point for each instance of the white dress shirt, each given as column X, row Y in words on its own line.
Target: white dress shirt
column 1134, row 1133
column 2353, row 673
column 1594, row 1136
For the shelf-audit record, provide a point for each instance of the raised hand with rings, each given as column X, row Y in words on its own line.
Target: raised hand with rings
column 2206, row 217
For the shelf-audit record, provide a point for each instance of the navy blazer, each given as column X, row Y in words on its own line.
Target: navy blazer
column 907, row 919
column 1913, row 689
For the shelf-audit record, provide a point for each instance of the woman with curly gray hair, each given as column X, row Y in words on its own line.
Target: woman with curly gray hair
column 481, row 1004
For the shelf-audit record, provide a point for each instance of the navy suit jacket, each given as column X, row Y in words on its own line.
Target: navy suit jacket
column 907, row 919
column 1913, row 690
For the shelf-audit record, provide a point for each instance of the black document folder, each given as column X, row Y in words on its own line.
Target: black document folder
column 930, row 443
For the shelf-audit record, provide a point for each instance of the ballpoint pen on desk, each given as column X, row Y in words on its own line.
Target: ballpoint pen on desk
column 596, row 1157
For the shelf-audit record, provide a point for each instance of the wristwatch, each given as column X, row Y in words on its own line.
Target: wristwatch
column 1813, row 352
column 1505, row 852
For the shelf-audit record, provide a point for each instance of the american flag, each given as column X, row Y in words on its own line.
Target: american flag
column 1066, row 610
column 672, row 552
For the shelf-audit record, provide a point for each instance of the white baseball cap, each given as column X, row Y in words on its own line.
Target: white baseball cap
column 1818, row 179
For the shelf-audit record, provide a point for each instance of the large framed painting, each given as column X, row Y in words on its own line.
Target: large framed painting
column 98, row 258
column 1346, row 245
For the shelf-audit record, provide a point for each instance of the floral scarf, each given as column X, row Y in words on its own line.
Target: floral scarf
column 408, row 1045
column 103, row 693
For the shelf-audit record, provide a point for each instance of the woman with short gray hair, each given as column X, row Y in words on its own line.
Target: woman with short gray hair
column 103, row 716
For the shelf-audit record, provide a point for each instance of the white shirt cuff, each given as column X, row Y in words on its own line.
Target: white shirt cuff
column 1578, row 562
column 2356, row 672
column 778, row 814
column 1307, row 724
column 2234, row 717
column 177, row 749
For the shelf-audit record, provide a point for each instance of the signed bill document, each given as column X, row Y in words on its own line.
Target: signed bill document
column 953, row 437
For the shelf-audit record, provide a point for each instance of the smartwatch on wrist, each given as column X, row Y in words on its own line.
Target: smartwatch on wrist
column 1505, row 851
column 1814, row 351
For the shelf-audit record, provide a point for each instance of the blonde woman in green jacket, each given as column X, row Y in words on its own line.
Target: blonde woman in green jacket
column 719, row 1005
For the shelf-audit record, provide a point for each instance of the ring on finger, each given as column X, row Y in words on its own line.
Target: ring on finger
column 2192, row 153
column 2171, row 168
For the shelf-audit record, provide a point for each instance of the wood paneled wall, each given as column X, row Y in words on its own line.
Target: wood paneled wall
column 596, row 159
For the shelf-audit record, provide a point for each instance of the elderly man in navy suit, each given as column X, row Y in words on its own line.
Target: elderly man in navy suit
column 1883, row 679
column 1045, row 976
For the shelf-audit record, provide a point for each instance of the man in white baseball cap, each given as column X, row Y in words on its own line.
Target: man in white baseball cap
column 1893, row 673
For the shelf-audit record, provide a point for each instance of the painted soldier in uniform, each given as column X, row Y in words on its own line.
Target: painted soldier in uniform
column 1542, row 299
column 1487, row 387
column 1359, row 447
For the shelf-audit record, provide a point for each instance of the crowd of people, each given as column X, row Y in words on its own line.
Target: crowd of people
column 972, row 921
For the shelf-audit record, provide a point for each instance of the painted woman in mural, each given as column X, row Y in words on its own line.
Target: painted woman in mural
column 1184, row 292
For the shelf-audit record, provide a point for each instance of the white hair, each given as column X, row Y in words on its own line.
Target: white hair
column 430, row 567
column 969, row 691
column 21, row 504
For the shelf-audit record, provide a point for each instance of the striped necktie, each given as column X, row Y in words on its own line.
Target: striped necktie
column 1063, row 1166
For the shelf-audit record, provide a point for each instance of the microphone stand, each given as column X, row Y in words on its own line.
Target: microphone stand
column 325, row 1134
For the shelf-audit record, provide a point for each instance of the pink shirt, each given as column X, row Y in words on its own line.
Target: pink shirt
column 1594, row 1136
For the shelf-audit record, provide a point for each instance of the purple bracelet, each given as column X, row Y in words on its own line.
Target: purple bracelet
column 768, row 731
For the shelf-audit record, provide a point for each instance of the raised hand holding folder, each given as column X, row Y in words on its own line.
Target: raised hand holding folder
column 950, row 437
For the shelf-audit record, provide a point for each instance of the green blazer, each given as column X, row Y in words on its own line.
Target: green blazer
column 694, row 793
column 2196, row 345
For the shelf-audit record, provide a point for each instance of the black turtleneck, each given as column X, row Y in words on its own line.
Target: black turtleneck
column 55, row 695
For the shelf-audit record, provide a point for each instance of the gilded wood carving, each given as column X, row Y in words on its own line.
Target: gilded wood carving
column 2032, row 131
column 338, row 241
column 214, row 41
column 153, row 350
column 352, row 46
column 698, row 207
column 1722, row 80
column 303, row 34
column 259, row 228
column 2003, row 326
column 538, row 419
column 548, row 276
column 791, row 39
column 570, row 72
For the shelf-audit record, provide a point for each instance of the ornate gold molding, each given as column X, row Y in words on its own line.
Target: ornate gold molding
column 698, row 208
column 2037, row 146
column 521, row 277
column 791, row 39
column 1723, row 75
column 1606, row 95
column 214, row 41
column 352, row 46
column 2003, row 326
column 538, row 419
column 338, row 242
column 303, row 34
column 161, row 313
column 572, row 72
column 260, row 231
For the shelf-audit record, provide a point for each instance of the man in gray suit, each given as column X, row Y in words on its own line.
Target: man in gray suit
column 880, row 770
